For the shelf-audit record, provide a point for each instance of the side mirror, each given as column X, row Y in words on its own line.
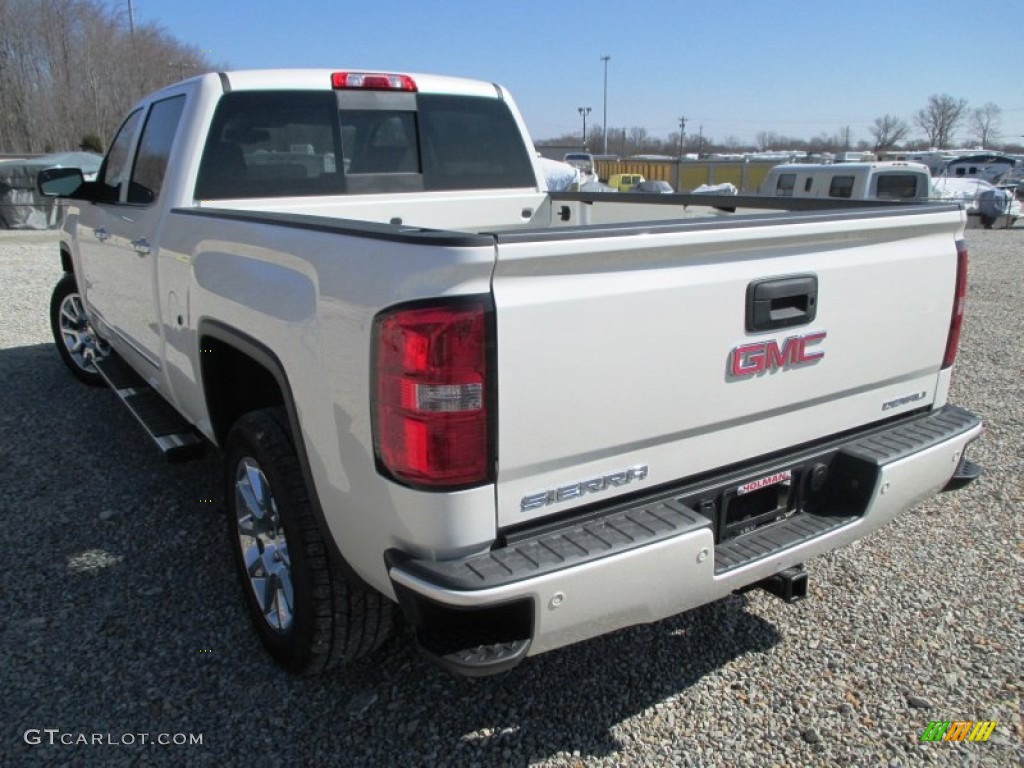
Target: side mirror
column 60, row 182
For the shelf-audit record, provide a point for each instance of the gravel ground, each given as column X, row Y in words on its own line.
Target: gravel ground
column 121, row 616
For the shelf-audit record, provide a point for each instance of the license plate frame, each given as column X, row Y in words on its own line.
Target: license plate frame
column 756, row 502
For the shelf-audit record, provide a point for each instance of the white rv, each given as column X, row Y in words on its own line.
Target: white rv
column 987, row 166
column 858, row 181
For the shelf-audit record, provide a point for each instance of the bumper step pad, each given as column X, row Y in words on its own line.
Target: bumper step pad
column 171, row 433
column 565, row 547
column 775, row 537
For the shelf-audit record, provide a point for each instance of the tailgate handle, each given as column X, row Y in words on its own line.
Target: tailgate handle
column 781, row 302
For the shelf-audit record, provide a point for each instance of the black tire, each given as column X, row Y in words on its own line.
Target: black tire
column 331, row 618
column 74, row 336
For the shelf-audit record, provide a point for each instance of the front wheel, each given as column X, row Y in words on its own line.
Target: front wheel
column 307, row 612
column 77, row 342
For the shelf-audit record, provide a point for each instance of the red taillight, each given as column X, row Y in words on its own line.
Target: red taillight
column 431, row 388
column 372, row 81
column 960, row 299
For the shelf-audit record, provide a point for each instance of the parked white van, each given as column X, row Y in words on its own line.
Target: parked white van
column 858, row 181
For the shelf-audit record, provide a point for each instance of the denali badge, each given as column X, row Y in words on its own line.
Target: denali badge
column 904, row 400
column 575, row 490
column 761, row 356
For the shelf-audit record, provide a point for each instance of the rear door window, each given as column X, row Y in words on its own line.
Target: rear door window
column 155, row 150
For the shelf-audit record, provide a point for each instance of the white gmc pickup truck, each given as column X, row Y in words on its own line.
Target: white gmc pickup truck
column 526, row 418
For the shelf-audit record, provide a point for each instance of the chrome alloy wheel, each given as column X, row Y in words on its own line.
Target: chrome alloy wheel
column 81, row 341
column 263, row 545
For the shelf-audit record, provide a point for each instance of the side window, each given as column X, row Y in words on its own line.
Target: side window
column 784, row 186
column 808, row 183
column 841, row 186
column 154, row 150
column 118, row 160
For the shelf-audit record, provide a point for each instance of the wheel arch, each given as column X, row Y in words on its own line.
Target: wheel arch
column 229, row 356
column 65, row 259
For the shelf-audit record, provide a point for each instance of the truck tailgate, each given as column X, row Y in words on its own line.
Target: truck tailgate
column 625, row 359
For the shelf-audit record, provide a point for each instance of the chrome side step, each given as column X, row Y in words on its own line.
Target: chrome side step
column 173, row 435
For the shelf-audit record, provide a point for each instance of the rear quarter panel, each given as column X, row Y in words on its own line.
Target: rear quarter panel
column 309, row 297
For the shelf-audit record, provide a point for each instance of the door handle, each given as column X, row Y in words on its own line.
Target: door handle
column 141, row 246
column 101, row 234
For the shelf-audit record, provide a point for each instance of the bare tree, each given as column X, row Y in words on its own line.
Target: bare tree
column 821, row 143
column 638, row 139
column 888, row 131
column 70, row 69
column 844, row 137
column 985, row 123
column 939, row 120
column 767, row 139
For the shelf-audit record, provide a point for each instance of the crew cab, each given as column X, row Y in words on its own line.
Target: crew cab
column 520, row 418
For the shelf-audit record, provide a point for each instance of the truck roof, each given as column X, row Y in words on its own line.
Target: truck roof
column 316, row 79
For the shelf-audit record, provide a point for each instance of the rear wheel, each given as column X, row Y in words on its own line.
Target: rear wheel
column 76, row 340
column 307, row 612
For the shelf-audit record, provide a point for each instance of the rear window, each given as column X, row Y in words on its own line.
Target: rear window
column 297, row 143
column 272, row 144
column 897, row 186
column 841, row 186
column 471, row 143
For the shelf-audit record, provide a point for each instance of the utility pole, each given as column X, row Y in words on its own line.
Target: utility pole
column 131, row 19
column 682, row 131
column 700, row 145
column 584, row 111
column 605, row 59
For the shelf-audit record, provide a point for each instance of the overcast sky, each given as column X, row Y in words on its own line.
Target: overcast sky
column 735, row 67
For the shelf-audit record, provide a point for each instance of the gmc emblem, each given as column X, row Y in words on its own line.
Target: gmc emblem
column 761, row 356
